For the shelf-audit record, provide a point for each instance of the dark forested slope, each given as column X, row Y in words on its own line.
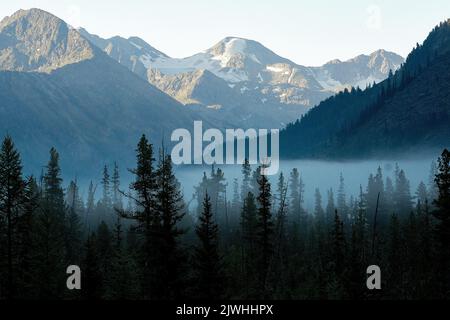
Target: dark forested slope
column 408, row 112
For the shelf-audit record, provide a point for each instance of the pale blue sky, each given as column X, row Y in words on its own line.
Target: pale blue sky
column 307, row 32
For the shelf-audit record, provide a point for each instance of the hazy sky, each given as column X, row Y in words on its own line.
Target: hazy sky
column 307, row 32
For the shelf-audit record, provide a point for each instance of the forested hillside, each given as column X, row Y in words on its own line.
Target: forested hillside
column 406, row 114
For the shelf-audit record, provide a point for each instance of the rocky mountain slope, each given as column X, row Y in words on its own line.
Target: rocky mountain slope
column 57, row 89
column 274, row 89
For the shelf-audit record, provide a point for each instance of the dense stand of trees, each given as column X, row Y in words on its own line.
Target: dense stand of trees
column 142, row 242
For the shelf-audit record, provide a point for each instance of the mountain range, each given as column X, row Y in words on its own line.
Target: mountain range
column 58, row 89
column 242, row 83
column 92, row 98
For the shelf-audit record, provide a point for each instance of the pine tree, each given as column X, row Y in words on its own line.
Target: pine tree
column 90, row 206
column 318, row 209
column 375, row 198
column 50, row 234
column 246, row 172
column 106, row 197
column 358, row 252
column 264, row 233
column 74, row 202
column 422, row 193
column 330, row 209
column 105, row 204
column 278, row 272
column 297, row 190
column 336, row 288
column 249, row 237
column 254, row 182
column 12, row 198
column 403, row 199
column 341, row 199
column 432, row 186
column 338, row 240
column 200, row 192
column 442, row 215
column 207, row 261
column 147, row 218
column 235, row 205
column 121, row 281
column 390, row 196
column 73, row 223
column 281, row 186
column 116, row 196
column 169, row 206
column 25, row 229
column 53, row 191
column 294, row 186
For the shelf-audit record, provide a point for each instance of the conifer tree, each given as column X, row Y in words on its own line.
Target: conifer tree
column 90, row 206
column 106, row 196
column 294, row 186
column 25, row 230
column 442, row 215
column 336, row 287
column 246, row 172
column 235, row 205
column 147, row 218
column 264, row 233
column 116, row 196
column 339, row 245
column 432, row 186
column 318, row 209
column 249, row 238
column 403, row 199
column 375, row 198
column 73, row 230
column 169, row 205
column 12, row 199
column 330, row 209
column 254, row 182
column 422, row 193
column 207, row 261
column 390, row 196
column 358, row 253
column 278, row 270
column 50, row 233
column 341, row 199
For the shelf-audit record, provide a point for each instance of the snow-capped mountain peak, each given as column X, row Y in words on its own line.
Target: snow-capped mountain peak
column 230, row 49
column 359, row 71
column 243, row 73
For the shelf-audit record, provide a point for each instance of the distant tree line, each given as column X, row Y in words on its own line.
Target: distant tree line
column 142, row 243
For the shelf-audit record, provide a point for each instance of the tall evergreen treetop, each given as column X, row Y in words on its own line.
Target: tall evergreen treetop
column 207, row 261
column 53, row 190
column 265, row 231
column 106, row 197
